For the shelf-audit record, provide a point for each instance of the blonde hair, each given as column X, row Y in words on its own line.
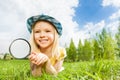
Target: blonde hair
column 55, row 46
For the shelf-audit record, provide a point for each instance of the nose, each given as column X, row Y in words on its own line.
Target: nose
column 42, row 34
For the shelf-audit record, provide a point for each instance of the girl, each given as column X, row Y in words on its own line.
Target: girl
column 46, row 53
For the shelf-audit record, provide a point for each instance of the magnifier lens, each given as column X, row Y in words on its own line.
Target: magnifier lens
column 20, row 48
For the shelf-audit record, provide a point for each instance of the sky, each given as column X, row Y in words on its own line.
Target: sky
column 80, row 19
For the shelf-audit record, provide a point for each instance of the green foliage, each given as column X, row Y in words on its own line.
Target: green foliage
column 109, row 48
column 71, row 52
column 97, row 51
column 118, row 40
column 80, row 54
column 93, row 70
column 87, row 51
column 14, row 70
column 104, row 46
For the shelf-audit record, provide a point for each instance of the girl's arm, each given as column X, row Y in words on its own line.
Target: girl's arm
column 36, row 63
column 35, row 69
column 54, row 69
column 58, row 65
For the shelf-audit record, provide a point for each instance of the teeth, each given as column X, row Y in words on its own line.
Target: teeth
column 42, row 40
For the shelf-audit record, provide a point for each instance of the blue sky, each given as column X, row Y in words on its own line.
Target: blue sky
column 92, row 11
column 78, row 18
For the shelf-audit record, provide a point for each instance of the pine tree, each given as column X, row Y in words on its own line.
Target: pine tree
column 80, row 51
column 109, row 47
column 87, row 51
column 118, row 40
column 97, row 50
column 106, row 46
column 72, row 51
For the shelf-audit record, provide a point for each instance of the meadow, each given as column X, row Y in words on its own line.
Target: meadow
column 87, row 70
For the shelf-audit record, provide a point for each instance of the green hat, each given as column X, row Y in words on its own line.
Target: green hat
column 32, row 20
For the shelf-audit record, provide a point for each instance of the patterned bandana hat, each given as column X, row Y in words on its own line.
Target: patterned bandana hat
column 32, row 20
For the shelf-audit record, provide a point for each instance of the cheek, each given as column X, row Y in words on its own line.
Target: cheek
column 36, row 36
column 51, row 36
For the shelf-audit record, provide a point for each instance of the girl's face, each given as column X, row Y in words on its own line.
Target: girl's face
column 44, row 34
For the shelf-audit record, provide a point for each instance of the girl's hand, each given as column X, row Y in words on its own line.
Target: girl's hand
column 32, row 57
column 41, row 58
column 38, row 58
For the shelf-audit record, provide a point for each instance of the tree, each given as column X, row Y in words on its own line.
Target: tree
column 106, row 46
column 80, row 51
column 71, row 52
column 87, row 51
column 97, row 50
column 109, row 48
column 118, row 40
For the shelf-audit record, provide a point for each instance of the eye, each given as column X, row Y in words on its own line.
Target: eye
column 48, row 31
column 37, row 31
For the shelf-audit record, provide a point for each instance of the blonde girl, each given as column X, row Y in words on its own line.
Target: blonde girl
column 46, row 54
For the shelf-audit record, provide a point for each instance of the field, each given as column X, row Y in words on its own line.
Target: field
column 94, row 70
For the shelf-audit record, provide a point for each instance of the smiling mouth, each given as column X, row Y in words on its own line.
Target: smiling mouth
column 43, row 41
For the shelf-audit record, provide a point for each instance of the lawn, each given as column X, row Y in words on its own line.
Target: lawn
column 92, row 70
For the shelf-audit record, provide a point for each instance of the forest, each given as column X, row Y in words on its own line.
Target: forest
column 103, row 46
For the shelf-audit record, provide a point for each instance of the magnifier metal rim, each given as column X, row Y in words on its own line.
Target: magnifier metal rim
column 16, row 40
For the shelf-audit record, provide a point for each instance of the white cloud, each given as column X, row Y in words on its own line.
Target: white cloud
column 115, row 3
column 14, row 13
column 90, row 27
column 88, row 30
column 113, row 26
column 116, row 15
column 114, row 18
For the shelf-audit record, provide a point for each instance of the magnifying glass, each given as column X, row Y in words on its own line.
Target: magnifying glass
column 20, row 48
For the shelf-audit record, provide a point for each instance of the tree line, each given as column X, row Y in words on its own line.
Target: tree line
column 102, row 46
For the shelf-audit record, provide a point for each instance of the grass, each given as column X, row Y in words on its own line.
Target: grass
column 94, row 70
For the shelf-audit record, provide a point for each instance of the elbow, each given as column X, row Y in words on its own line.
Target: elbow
column 36, row 74
column 52, row 72
column 36, row 71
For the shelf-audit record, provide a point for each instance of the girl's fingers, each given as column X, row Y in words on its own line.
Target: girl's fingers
column 33, row 58
column 38, row 58
column 42, row 59
column 31, row 55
